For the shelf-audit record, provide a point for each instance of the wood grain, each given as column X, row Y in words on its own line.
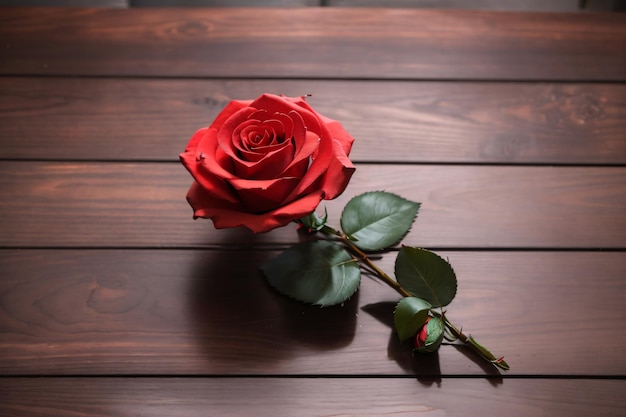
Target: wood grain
column 114, row 302
column 314, row 42
column 149, row 397
column 50, row 204
column 177, row 312
column 526, row 5
column 139, row 119
column 224, row 3
column 64, row 3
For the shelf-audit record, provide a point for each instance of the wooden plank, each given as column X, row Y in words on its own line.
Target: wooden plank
column 48, row 204
column 89, row 397
column 79, row 118
column 225, row 3
column 525, row 5
column 179, row 312
column 314, row 42
column 64, row 3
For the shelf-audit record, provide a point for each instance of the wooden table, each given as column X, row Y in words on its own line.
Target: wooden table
column 509, row 128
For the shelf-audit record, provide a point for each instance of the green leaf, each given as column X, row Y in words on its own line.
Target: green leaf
column 317, row 272
column 410, row 315
column 426, row 275
column 436, row 331
column 377, row 220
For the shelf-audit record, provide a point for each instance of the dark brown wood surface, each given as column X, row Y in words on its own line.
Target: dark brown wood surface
column 306, row 397
column 459, row 122
column 118, row 311
column 510, row 129
column 112, row 204
column 315, row 43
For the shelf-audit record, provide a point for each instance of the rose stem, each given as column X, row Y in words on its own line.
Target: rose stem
column 363, row 257
column 476, row 347
column 481, row 350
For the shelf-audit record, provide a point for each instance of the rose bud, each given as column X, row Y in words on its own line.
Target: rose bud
column 264, row 163
column 429, row 336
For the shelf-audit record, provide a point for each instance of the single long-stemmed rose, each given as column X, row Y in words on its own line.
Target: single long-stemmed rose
column 262, row 164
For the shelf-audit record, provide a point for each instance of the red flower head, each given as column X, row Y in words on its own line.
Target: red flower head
column 264, row 163
column 422, row 334
column 429, row 336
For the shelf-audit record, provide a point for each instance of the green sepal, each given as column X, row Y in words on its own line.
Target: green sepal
column 426, row 275
column 410, row 315
column 313, row 222
column 319, row 272
column 377, row 220
column 436, row 331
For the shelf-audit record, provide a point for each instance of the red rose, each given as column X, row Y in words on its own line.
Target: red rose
column 422, row 334
column 429, row 336
column 265, row 163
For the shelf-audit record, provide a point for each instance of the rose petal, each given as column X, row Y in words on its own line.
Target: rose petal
column 263, row 195
column 276, row 104
column 198, row 147
column 202, row 200
column 296, row 170
column 422, row 334
column 306, row 141
column 242, row 150
column 338, row 174
column 261, row 121
column 272, row 103
column 277, row 218
column 271, row 166
column 231, row 108
column 339, row 134
column 235, row 122
column 224, row 216
column 334, row 127
column 276, row 138
column 299, row 208
column 192, row 145
column 209, row 159
column 196, row 165
column 318, row 167
column 287, row 123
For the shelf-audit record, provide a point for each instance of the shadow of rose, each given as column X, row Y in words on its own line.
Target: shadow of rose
column 242, row 324
column 320, row 328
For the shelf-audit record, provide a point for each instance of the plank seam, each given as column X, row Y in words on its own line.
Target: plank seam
column 322, row 376
column 324, row 78
column 271, row 248
column 354, row 161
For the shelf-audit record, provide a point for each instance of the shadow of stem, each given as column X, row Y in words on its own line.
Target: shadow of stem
column 426, row 367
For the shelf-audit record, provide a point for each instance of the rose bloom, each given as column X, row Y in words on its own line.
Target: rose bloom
column 264, row 163
column 422, row 334
column 429, row 336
